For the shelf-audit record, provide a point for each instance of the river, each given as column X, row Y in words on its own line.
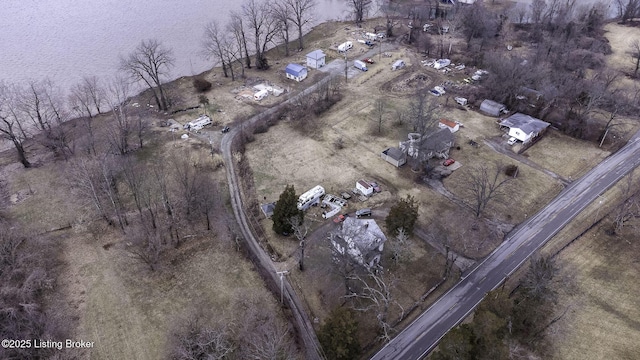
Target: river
column 64, row 40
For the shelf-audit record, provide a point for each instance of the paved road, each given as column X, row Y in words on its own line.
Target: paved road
column 421, row 336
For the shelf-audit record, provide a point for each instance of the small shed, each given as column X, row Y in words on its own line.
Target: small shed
column 364, row 187
column 316, row 59
column 267, row 209
column 296, row 72
column 394, row 156
column 448, row 124
column 492, row 108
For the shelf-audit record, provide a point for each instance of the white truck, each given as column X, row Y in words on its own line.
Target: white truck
column 371, row 36
column 345, row 46
column 360, row 65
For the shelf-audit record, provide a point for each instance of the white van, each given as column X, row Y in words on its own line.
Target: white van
column 345, row 46
column 360, row 65
column 399, row 64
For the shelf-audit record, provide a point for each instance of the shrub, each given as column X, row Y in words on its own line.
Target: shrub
column 511, row 170
column 201, row 84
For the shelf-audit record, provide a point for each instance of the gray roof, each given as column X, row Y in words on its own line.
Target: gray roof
column 365, row 233
column 526, row 123
column 491, row 107
column 316, row 54
column 437, row 141
column 394, row 153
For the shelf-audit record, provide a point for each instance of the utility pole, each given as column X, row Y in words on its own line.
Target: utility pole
column 282, row 274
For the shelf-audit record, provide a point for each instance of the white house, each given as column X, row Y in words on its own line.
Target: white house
column 448, row 124
column 362, row 240
column 364, row 187
column 316, row 59
column 296, row 72
column 524, row 127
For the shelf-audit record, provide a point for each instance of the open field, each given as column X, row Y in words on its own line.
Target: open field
column 602, row 322
column 111, row 298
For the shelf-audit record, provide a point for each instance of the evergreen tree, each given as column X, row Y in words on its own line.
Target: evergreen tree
column 403, row 215
column 285, row 210
column 338, row 336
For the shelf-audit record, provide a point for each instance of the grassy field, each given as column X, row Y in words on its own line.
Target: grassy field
column 604, row 306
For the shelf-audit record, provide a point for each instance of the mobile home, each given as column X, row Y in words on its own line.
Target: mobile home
column 310, row 198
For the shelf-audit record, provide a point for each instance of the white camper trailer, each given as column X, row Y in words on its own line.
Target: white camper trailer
column 260, row 95
column 371, row 36
column 345, row 46
column 310, row 198
column 198, row 123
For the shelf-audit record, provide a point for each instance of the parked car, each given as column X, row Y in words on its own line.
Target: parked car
column 340, row 218
column 512, row 141
column 369, row 43
column 345, row 195
column 363, row 212
column 434, row 92
column 448, row 162
column 369, row 60
column 225, row 129
column 375, row 186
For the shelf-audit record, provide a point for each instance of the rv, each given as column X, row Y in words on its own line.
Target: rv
column 198, row 123
column 360, row 65
column 310, row 198
column 371, row 36
column 397, row 65
column 260, row 95
column 345, row 46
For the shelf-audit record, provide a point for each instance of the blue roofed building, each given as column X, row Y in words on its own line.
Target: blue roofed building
column 296, row 72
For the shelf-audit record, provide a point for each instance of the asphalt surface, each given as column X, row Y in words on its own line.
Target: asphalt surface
column 422, row 336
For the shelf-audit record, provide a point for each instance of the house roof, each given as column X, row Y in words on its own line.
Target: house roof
column 364, row 184
column 316, row 54
column 524, row 122
column 364, row 233
column 448, row 123
column 394, row 153
column 437, row 141
column 295, row 69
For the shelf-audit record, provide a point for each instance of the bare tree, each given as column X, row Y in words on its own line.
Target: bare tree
column 485, row 185
column 264, row 336
column 150, row 63
column 300, row 230
column 195, row 339
column 374, row 293
column 11, row 123
column 87, row 96
column 218, row 45
column 423, row 113
column 301, row 12
column 146, row 245
column 122, row 127
column 379, row 112
column 630, row 208
column 400, row 246
column 281, row 13
column 237, row 28
column 634, row 51
column 264, row 26
column 628, row 9
column 359, row 8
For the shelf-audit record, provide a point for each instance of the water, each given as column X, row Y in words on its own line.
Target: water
column 64, row 40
